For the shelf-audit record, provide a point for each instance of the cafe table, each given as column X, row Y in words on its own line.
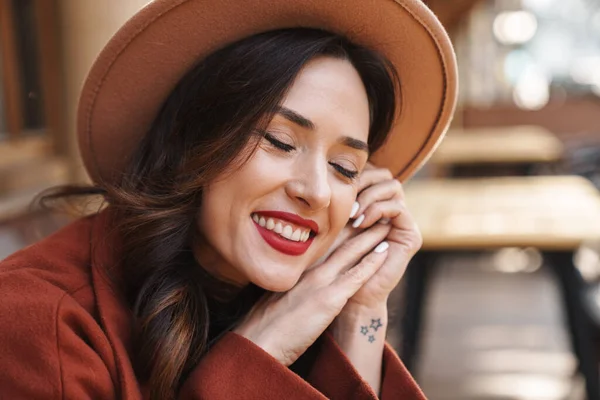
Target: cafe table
column 555, row 214
column 525, row 146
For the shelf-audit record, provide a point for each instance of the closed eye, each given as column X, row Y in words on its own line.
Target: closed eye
column 346, row 172
column 279, row 144
column 289, row 148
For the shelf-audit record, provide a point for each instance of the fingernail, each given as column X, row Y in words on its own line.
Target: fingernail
column 355, row 208
column 358, row 221
column 381, row 247
column 384, row 221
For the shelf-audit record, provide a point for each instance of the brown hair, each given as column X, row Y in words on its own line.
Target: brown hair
column 202, row 128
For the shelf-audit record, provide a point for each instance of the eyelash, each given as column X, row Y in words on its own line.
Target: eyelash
column 280, row 145
column 288, row 148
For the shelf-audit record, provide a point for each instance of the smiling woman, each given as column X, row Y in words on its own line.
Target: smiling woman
column 240, row 242
column 303, row 165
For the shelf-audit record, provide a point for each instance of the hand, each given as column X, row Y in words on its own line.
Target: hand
column 286, row 324
column 381, row 199
column 360, row 328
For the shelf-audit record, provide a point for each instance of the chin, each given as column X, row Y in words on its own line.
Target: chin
column 276, row 281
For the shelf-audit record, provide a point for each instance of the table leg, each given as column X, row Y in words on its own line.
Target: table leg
column 417, row 282
column 571, row 286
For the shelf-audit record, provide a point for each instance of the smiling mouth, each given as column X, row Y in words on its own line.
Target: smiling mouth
column 284, row 229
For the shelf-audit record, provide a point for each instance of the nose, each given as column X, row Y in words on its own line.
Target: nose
column 310, row 185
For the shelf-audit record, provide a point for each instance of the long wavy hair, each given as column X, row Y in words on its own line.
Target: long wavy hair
column 200, row 131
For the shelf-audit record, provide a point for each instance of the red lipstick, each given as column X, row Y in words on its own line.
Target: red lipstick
column 282, row 244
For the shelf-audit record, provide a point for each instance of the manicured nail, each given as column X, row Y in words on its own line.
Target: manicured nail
column 358, row 221
column 355, row 208
column 381, row 247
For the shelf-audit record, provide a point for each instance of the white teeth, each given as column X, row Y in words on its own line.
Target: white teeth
column 278, row 228
column 305, row 236
column 296, row 235
column 287, row 232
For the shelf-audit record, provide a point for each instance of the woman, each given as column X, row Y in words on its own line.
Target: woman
column 248, row 246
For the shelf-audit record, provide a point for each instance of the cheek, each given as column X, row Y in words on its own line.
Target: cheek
column 231, row 199
column 221, row 209
column 224, row 200
column 212, row 218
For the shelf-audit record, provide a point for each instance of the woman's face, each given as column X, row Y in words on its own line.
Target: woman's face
column 273, row 218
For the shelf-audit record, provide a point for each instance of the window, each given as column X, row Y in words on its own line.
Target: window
column 29, row 93
column 526, row 52
column 32, row 142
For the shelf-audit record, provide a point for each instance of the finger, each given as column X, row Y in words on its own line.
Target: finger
column 353, row 279
column 404, row 220
column 403, row 247
column 387, row 210
column 405, row 233
column 351, row 251
column 370, row 177
column 384, row 190
column 393, row 269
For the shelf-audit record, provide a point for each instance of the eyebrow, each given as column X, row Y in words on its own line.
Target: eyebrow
column 304, row 122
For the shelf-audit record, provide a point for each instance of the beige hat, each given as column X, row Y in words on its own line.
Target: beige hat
column 146, row 58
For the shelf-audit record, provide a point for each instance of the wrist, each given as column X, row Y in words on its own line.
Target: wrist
column 360, row 333
column 358, row 323
column 353, row 313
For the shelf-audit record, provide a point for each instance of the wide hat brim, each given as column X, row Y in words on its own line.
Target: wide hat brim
column 145, row 59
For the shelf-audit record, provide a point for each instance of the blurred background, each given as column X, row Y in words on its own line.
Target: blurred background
column 503, row 302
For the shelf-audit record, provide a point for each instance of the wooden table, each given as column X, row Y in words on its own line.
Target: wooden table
column 519, row 145
column 555, row 214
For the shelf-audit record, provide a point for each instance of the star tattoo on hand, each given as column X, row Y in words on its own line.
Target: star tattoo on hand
column 376, row 324
column 364, row 330
column 371, row 339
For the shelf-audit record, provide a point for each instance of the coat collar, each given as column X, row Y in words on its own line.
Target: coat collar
column 115, row 316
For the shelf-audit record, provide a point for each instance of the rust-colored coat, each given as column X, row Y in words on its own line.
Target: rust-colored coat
column 64, row 334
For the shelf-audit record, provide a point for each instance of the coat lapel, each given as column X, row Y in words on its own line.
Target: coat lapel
column 115, row 316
